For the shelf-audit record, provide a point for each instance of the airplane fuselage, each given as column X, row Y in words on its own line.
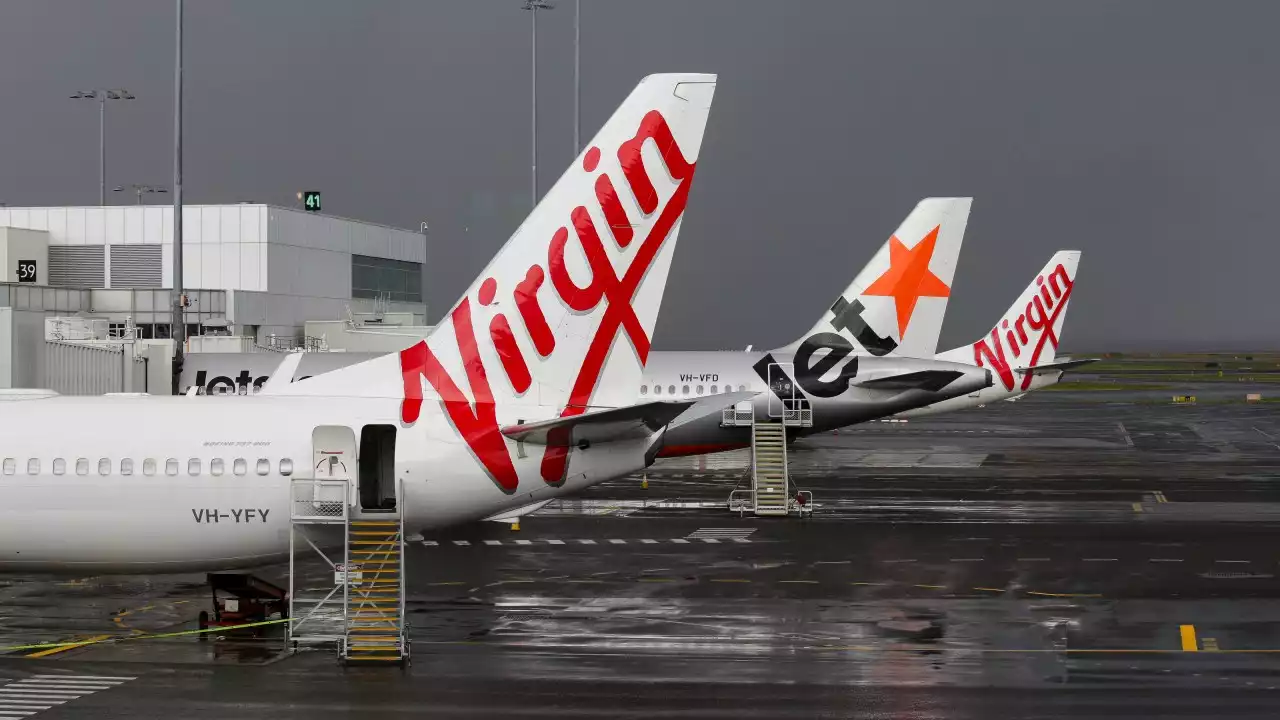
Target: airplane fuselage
column 167, row 484
column 818, row 381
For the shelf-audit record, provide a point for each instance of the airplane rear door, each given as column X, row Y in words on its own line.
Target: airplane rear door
column 333, row 457
column 782, row 391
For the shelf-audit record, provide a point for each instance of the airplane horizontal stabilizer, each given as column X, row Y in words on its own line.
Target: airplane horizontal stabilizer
column 634, row 422
column 514, row 514
column 1051, row 367
column 932, row 380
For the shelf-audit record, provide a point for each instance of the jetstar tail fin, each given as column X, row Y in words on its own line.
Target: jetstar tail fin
column 897, row 302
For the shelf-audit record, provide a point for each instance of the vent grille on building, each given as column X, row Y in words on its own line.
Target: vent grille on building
column 135, row 266
column 79, row 266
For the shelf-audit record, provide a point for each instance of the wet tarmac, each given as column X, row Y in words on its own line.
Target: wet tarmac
column 1065, row 555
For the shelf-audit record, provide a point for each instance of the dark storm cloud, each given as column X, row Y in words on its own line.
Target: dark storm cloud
column 1141, row 132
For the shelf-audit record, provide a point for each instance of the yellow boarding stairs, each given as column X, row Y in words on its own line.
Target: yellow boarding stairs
column 375, row 604
column 769, row 484
column 362, row 611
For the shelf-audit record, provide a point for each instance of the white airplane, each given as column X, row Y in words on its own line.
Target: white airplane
column 861, row 360
column 543, row 401
column 1022, row 347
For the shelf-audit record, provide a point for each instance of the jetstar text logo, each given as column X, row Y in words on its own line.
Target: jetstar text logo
column 476, row 420
column 1028, row 332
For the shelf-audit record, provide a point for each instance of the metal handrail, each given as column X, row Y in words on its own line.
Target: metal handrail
column 318, row 501
column 741, row 500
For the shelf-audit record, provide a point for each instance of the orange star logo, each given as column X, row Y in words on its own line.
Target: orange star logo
column 908, row 278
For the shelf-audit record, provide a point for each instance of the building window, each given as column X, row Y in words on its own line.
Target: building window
column 33, row 466
column 264, row 466
column 82, row 466
column 171, row 466
column 104, row 466
column 240, row 467
column 216, row 467
column 286, row 467
column 396, row 280
column 126, row 466
column 59, row 466
column 10, row 466
column 149, row 467
column 193, row 467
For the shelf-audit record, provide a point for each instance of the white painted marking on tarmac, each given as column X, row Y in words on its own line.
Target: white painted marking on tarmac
column 908, row 560
column 524, row 542
column 966, row 559
column 1127, row 440
column 709, row 540
column 648, row 541
column 1166, row 559
column 617, row 541
column 122, row 678
column 555, row 542
column 461, row 542
column 492, row 542
column 35, row 694
column 430, row 543
column 586, row 542
column 1101, row 559
column 1232, row 561
column 680, row 541
column 832, row 562
column 1033, row 559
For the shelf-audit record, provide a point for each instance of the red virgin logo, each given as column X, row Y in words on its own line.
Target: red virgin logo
column 1039, row 316
column 476, row 422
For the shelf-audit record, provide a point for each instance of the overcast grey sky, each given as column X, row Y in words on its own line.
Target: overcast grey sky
column 1143, row 132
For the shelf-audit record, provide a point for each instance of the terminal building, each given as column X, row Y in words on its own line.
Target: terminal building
column 255, row 275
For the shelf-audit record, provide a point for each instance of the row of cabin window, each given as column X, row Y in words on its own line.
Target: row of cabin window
column 150, row 466
column 671, row 389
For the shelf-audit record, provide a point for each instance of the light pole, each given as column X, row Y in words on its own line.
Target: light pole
column 178, row 330
column 533, row 6
column 577, row 38
column 102, row 96
column 140, row 189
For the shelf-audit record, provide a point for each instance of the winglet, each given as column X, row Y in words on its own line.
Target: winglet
column 283, row 375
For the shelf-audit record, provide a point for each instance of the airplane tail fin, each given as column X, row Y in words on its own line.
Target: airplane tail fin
column 1027, row 335
column 562, row 317
column 897, row 302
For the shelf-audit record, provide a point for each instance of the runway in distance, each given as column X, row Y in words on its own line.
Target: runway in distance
column 528, row 390
column 849, row 367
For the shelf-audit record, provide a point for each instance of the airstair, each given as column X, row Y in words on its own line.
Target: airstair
column 771, row 493
column 357, row 603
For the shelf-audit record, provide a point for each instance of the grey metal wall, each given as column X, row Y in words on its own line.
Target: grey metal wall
column 72, row 369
